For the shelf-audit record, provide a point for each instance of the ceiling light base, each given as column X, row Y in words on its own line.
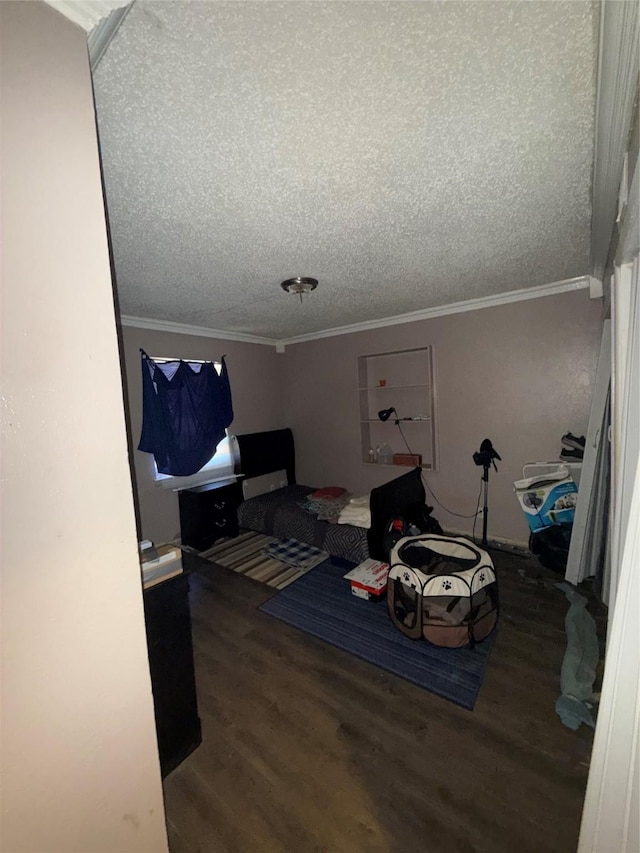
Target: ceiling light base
column 299, row 285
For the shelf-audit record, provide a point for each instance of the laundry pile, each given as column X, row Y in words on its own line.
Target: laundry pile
column 357, row 512
column 572, row 446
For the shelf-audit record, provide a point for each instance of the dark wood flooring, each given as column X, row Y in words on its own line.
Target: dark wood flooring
column 306, row 748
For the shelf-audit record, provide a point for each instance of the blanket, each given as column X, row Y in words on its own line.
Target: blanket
column 294, row 553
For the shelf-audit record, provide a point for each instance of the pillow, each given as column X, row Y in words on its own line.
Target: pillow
column 328, row 492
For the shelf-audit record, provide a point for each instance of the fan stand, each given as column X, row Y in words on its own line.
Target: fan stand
column 485, row 503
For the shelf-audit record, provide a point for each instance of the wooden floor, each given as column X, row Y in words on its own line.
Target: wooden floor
column 307, row 748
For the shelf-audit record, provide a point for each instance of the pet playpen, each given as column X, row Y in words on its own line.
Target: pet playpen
column 442, row 589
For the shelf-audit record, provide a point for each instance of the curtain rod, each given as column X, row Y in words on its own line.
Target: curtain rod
column 164, row 360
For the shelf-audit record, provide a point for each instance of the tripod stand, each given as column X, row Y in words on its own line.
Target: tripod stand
column 485, row 503
column 486, row 457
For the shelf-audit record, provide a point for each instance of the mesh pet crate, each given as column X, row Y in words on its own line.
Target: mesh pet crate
column 442, row 589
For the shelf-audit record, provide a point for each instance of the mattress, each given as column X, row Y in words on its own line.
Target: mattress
column 278, row 513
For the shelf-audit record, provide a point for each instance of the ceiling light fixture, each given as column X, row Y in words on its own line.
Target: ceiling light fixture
column 299, row 285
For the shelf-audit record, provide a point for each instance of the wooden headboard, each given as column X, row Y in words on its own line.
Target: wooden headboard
column 264, row 452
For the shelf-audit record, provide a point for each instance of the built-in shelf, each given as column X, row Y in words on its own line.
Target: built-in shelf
column 425, row 467
column 391, row 387
column 407, row 377
column 392, row 421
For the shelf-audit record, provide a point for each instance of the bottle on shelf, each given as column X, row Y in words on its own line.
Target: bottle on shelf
column 385, row 455
column 377, row 454
column 371, row 455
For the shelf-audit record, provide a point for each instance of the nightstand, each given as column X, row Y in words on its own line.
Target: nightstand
column 209, row 513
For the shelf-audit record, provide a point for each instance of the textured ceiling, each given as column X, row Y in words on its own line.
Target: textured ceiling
column 406, row 154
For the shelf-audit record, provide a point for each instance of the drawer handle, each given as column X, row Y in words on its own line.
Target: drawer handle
column 220, row 505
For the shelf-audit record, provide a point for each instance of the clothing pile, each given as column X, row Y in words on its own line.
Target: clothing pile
column 326, row 503
column 572, row 446
column 357, row 513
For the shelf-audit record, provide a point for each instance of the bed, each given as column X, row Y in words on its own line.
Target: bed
column 278, row 513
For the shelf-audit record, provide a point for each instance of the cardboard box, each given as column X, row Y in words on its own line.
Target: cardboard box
column 407, row 459
column 160, row 563
column 547, row 499
column 369, row 580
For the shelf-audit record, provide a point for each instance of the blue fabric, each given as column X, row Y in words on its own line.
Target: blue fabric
column 580, row 662
column 186, row 409
column 321, row 603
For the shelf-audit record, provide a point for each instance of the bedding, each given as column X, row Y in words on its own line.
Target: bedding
column 280, row 512
column 325, row 509
column 357, row 512
column 329, row 492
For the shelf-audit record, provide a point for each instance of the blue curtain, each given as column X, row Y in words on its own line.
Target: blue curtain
column 186, row 409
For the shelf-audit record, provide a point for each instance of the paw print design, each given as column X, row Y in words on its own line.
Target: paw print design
column 446, row 584
column 481, row 577
column 406, row 577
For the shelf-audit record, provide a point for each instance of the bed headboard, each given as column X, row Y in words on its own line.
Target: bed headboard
column 391, row 499
column 263, row 452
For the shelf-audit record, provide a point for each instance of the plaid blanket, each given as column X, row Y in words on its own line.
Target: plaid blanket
column 294, row 553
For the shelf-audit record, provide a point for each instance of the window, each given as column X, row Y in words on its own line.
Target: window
column 221, row 465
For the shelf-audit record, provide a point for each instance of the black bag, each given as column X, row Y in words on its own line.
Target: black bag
column 413, row 521
column 420, row 516
column 551, row 546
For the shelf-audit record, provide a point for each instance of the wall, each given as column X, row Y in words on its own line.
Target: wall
column 254, row 373
column 80, row 768
column 520, row 374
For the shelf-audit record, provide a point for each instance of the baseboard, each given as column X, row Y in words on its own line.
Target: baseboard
column 518, row 549
column 509, row 548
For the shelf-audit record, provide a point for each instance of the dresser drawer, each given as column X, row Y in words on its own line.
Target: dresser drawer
column 224, row 506
column 225, row 525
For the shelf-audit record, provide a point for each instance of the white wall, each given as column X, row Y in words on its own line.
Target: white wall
column 79, row 757
column 520, row 374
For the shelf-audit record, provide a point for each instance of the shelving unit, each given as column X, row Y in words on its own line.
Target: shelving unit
column 170, row 648
column 403, row 380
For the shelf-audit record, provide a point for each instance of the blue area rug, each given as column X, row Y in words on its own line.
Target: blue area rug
column 321, row 603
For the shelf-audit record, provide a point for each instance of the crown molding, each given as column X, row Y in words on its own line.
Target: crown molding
column 596, row 289
column 101, row 35
column 86, row 14
column 536, row 292
column 198, row 331
column 581, row 283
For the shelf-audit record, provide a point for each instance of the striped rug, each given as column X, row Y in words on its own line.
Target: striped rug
column 244, row 555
